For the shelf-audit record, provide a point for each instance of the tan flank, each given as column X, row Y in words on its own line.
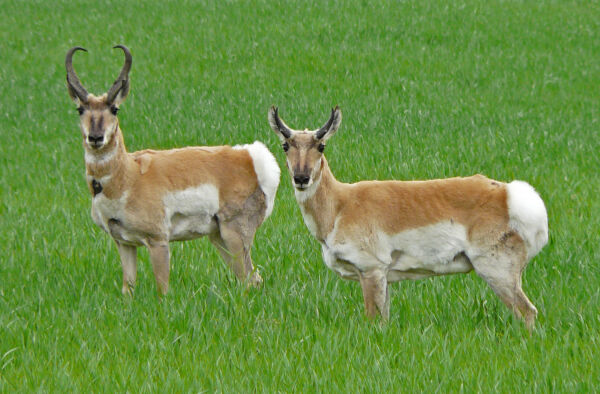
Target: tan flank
column 378, row 232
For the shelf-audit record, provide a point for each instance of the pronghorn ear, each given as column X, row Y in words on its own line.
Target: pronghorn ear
column 73, row 95
column 122, row 93
column 278, row 126
column 332, row 125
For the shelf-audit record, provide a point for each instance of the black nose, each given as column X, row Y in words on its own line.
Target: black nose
column 301, row 179
column 95, row 140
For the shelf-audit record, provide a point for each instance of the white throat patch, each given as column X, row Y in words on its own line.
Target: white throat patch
column 315, row 180
column 304, row 195
column 103, row 158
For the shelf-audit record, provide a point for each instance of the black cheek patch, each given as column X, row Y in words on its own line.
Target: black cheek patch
column 96, row 187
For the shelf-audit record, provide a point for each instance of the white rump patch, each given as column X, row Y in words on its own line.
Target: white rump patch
column 528, row 216
column 267, row 170
column 190, row 213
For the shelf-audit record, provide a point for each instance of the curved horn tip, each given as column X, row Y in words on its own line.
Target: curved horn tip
column 127, row 54
column 274, row 112
column 77, row 49
column 126, row 51
column 71, row 51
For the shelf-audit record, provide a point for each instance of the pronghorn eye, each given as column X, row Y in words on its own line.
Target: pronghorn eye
column 114, row 109
column 286, row 146
column 80, row 110
column 321, row 148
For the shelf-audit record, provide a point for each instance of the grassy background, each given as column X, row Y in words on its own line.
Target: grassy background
column 429, row 89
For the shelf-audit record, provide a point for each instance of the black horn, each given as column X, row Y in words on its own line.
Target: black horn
column 75, row 87
column 323, row 130
column 283, row 129
column 122, row 82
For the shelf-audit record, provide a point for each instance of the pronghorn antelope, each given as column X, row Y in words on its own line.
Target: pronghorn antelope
column 378, row 232
column 153, row 197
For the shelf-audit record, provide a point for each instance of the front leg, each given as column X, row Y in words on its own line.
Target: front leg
column 159, row 257
column 128, row 256
column 375, row 294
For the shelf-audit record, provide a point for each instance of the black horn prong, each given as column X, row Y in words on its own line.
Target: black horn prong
column 122, row 81
column 323, row 130
column 283, row 129
column 75, row 86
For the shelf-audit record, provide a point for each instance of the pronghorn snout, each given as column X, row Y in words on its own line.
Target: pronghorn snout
column 301, row 181
column 95, row 141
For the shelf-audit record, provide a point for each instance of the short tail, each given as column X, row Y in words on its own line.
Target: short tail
column 267, row 170
column 528, row 216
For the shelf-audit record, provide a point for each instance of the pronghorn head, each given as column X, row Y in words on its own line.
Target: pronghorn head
column 98, row 114
column 304, row 149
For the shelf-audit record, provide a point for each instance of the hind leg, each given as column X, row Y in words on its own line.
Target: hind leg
column 526, row 308
column 502, row 270
column 159, row 257
column 234, row 246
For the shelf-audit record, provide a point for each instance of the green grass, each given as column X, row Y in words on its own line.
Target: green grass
column 429, row 89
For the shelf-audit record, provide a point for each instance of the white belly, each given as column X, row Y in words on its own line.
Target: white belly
column 190, row 213
column 438, row 249
column 190, row 227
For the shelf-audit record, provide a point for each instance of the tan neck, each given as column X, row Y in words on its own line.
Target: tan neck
column 110, row 165
column 320, row 201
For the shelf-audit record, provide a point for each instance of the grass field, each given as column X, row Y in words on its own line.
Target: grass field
column 429, row 89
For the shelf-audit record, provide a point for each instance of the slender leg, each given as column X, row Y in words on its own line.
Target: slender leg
column 375, row 294
column 128, row 256
column 386, row 307
column 159, row 257
column 235, row 250
column 503, row 273
column 528, row 310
